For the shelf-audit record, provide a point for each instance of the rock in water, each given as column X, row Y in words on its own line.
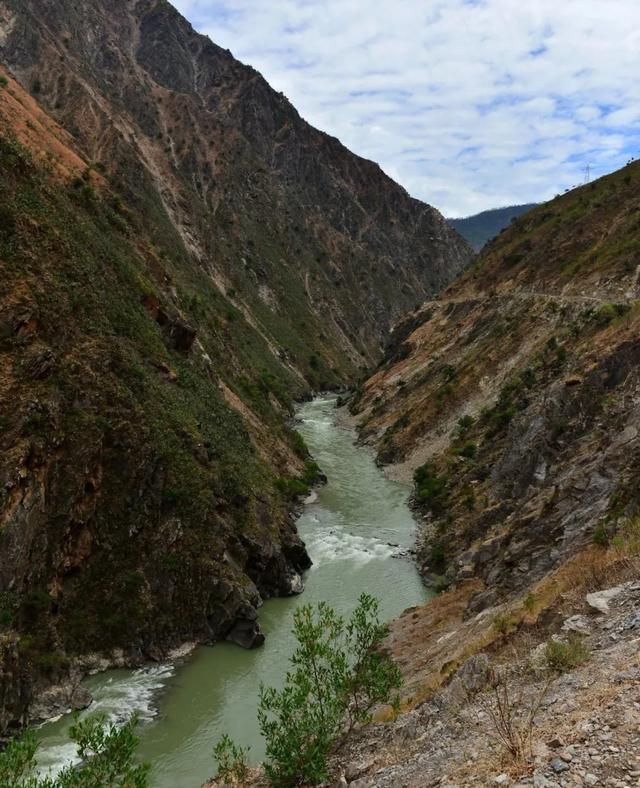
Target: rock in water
column 247, row 634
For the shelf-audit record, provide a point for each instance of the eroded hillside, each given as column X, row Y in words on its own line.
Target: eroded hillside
column 515, row 395
column 512, row 400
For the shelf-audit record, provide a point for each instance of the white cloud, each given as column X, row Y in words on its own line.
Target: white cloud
column 468, row 104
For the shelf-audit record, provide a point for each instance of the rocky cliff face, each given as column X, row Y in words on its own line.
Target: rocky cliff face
column 312, row 241
column 182, row 256
column 514, row 396
column 139, row 485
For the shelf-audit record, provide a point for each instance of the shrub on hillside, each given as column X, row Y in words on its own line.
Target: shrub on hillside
column 564, row 655
column 232, row 762
column 431, row 488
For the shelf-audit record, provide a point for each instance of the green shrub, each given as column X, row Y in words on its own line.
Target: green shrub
column 463, row 427
column 292, row 488
column 559, row 426
column 627, row 540
column 7, row 223
column 300, row 486
column 448, row 372
column 439, row 584
column 469, row 497
column 561, row 656
column 528, row 378
column 469, row 450
column 232, row 762
column 3, row 81
column 502, row 623
column 299, row 444
column 501, row 418
column 509, row 401
column 431, row 488
column 337, row 673
column 8, row 608
column 601, row 536
column 606, row 313
column 51, row 662
column 438, row 557
column 561, row 355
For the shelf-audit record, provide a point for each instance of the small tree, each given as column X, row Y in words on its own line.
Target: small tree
column 337, row 677
column 511, row 715
column 17, row 762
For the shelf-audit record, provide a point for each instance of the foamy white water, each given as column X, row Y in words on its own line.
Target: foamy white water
column 117, row 695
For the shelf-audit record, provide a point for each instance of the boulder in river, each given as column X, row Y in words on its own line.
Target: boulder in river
column 246, row 633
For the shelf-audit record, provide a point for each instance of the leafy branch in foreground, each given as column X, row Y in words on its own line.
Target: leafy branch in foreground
column 106, row 752
column 337, row 677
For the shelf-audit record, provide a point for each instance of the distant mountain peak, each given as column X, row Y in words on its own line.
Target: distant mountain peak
column 483, row 227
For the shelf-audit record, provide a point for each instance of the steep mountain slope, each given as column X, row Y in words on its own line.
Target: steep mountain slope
column 181, row 257
column 514, row 397
column 318, row 247
column 143, row 497
column 483, row 227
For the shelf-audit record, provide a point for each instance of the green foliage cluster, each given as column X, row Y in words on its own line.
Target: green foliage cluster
column 299, row 444
column 564, row 655
column 627, row 539
column 468, row 451
column 506, row 407
column 438, row 556
column 337, row 676
column 106, row 755
column 431, row 488
column 601, row 535
column 607, row 313
column 463, row 427
column 300, row 486
column 232, row 761
column 9, row 603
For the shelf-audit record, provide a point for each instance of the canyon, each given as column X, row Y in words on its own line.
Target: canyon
column 183, row 261
column 182, row 258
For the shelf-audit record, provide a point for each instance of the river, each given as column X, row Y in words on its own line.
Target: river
column 356, row 531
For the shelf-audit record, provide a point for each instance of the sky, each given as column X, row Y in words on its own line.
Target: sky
column 469, row 104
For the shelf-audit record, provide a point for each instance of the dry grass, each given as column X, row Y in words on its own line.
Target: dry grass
column 512, row 716
column 431, row 642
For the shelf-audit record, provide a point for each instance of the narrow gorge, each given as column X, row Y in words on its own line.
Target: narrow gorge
column 242, row 369
column 183, row 257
